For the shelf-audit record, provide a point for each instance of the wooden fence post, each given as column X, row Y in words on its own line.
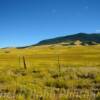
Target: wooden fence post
column 24, row 63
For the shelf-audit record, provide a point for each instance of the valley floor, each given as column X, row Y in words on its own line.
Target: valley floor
column 50, row 73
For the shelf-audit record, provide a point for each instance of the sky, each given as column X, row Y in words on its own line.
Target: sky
column 26, row 22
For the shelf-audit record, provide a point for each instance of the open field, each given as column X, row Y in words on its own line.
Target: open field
column 50, row 73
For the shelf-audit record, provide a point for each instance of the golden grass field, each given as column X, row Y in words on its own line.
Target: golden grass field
column 53, row 72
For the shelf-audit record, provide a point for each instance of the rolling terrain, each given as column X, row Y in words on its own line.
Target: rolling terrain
column 84, row 38
column 51, row 71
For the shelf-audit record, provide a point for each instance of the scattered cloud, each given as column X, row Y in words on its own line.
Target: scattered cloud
column 98, row 30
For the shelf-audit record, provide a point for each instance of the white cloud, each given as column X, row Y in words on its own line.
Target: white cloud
column 98, row 30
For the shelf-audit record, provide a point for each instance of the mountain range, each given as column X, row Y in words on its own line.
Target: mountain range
column 79, row 38
column 75, row 39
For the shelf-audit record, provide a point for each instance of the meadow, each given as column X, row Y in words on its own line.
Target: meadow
column 54, row 72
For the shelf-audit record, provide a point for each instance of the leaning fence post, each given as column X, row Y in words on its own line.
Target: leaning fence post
column 24, row 63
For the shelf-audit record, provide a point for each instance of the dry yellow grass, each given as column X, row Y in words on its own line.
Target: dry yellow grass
column 46, row 75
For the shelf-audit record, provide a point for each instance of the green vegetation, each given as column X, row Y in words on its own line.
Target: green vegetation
column 50, row 72
column 85, row 39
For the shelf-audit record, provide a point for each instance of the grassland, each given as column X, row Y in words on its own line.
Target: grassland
column 50, row 73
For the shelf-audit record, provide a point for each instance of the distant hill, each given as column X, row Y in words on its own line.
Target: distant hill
column 76, row 39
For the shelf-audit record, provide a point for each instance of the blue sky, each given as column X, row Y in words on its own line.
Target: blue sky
column 24, row 22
